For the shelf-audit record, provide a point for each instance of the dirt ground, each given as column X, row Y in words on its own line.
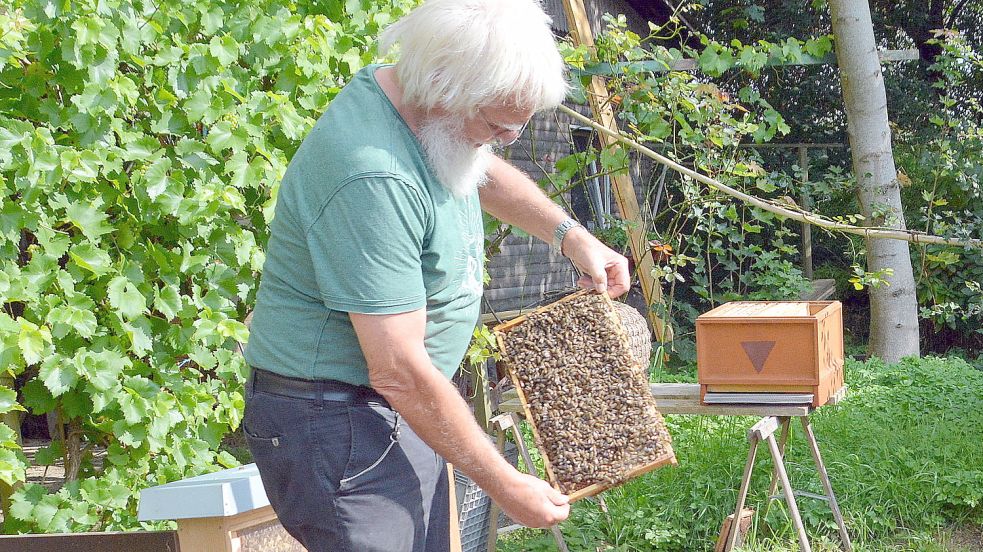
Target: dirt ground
column 966, row 538
column 52, row 476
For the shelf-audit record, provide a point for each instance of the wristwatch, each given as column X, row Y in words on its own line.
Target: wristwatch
column 560, row 232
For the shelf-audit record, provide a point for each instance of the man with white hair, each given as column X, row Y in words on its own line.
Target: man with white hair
column 372, row 283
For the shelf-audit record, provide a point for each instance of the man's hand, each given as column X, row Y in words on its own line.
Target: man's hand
column 531, row 501
column 603, row 268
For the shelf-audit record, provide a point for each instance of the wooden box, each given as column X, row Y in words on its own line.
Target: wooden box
column 791, row 347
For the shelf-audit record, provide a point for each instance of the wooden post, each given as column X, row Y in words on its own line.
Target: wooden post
column 847, row 546
column 511, row 421
column 807, row 205
column 742, row 526
column 483, row 410
column 624, row 189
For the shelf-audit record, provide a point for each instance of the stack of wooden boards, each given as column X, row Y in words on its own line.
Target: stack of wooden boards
column 585, row 395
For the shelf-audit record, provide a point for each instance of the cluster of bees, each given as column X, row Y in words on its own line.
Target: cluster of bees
column 588, row 398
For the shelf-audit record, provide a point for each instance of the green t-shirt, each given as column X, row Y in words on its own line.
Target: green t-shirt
column 363, row 225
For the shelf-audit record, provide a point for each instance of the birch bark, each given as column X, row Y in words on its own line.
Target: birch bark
column 893, row 308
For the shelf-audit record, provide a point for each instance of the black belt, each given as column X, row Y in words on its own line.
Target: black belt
column 315, row 390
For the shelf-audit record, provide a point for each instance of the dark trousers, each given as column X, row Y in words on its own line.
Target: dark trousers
column 347, row 476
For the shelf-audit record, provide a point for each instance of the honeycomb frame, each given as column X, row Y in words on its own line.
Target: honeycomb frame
column 585, row 328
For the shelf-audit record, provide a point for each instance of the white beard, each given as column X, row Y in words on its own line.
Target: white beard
column 460, row 167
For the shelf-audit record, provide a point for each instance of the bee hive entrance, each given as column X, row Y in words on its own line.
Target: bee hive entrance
column 588, row 399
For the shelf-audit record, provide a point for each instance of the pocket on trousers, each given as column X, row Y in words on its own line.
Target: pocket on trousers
column 264, row 422
column 374, row 436
column 259, row 440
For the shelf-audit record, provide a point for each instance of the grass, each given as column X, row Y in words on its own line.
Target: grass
column 904, row 452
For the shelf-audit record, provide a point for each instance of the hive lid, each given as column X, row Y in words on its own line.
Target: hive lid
column 766, row 309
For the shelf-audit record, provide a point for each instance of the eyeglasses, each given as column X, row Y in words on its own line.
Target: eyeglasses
column 498, row 130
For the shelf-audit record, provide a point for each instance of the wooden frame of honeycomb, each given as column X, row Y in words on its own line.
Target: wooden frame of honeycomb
column 585, row 395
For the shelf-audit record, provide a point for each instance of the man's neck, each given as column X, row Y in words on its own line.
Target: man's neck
column 413, row 116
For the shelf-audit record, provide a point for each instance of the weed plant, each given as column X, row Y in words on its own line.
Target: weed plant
column 904, row 452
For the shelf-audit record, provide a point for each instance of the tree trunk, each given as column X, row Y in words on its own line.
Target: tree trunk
column 894, row 307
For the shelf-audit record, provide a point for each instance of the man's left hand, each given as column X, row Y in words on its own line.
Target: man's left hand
column 603, row 268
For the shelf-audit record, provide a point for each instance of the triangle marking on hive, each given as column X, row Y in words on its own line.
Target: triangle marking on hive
column 757, row 352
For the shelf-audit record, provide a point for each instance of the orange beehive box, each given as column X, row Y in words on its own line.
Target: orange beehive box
column 771, row 347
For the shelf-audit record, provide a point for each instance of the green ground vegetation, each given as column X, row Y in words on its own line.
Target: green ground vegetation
column 904, row 452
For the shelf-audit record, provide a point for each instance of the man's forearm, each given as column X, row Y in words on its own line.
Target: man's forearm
column 435, row 410
column 514, row 198
column 401, row 370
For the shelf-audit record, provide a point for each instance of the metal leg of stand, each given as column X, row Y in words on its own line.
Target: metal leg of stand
column 824, row 477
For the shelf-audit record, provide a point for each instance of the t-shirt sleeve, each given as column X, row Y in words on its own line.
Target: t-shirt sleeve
column 366, row 246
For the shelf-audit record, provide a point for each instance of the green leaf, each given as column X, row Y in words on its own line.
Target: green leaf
column 222, row 136
column 117, row 496
column 69, row 317
column 167, row 301
column 226, row 460
column 8, row 439
column 234, row 329
column 102, row 369
column 134, row 408
column 140, row 149
column 13, row 469
column 225, row 49
column 58, row 375
column 157, row 179
column 138, row 331
column 8, row 400
column 198, row 105
column 24, row 500
column 81, row 166
column 89, row 219
column 126, row 298
column 294, row 126
column 765, row 185
column 44, row 513
column 130, row 435
column 819, row 47
column 715, row 60
column 50, row 454
column 91, row 258
column 792, row 50
column 752, row 59
column 76, row 403
column 37, row 397
column 32, row 340
column 614, row 159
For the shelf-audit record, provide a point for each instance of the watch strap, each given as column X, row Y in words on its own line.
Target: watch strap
column 560, row 232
